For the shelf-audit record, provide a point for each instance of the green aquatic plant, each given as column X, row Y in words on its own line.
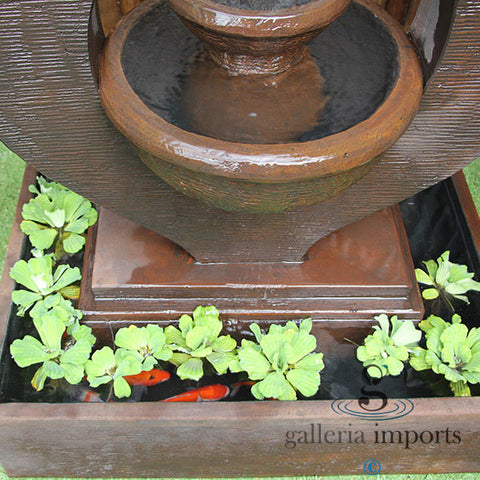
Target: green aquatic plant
column 57, row 361
column 452, row 350
column 388, row 347
column 107, row 366
column 56, row 215
column 57, row 306
column 41, row 280
column 281, row 361
column 197, row 339
column 148, row 342
column 446, row 280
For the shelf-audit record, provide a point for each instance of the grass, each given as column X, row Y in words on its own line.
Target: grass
column 11, row 172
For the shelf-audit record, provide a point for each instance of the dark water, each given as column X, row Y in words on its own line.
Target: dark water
column 357, row 58
column 434, row 222
column 262, row 5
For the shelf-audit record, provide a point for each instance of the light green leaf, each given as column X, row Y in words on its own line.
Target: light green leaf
column 197, row 337
column 191, row 369
column 53, row 370
column 50, row 331
column 73, row 243
column 43, row 239
column 305, row 381
column 254, row 363
column 28, row 351
column 121, row 388
column 57, row 217
column 224, row 344
column 274, row 385
column 302, row 345
column 422, row 277
column 73, row 373
column 25, row 298
column 174, row 337
column 430, row 294
column 256, row 331
column 179, row 358
column 38, row 380
column 313, row 361
column 221, row 361
column 78, row 354
column 406, row 334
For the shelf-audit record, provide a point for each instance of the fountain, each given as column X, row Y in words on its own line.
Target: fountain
column 262, row 128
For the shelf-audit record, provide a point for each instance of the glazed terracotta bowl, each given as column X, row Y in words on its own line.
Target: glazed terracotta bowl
column 373, row 85
column 250, row 41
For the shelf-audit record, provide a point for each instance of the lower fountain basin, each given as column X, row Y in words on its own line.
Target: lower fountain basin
column 371, row 88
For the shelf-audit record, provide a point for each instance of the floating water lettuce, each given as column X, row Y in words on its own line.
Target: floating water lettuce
column 57, row 306
column 57, row 215
column 149, row 343
column 57, row 361
column 452, row 350
column 38, row 276
column 197, row 339
column 108, row 366
column 387, row 348
column 446, row 279
column 281, row 361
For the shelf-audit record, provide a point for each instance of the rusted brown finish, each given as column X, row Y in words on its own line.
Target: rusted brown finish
column 56, row 123
column 259, row 178
column 229, row 439
column 351, row 274
column 127, row 5
column 109, row 14
column 411, row 13
column 397, row 9
column 249, row 42
column 207, row 90
column 431, row 42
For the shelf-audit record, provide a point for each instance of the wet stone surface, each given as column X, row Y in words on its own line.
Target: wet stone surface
column 356, row 57
column 262, row 5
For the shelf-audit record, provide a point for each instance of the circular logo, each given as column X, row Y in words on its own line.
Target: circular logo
column 396, row 408
column 372, row 467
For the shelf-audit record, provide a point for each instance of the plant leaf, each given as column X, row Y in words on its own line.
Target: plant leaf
column 191, row 369
column 305, row 381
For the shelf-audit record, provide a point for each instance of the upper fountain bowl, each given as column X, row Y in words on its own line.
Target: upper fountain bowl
column 324, row 136
column 254, row 36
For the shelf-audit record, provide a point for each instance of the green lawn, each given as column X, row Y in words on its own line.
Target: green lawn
column 11, row 171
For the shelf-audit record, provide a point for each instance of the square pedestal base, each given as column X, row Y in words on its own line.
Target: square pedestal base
column 362, row 270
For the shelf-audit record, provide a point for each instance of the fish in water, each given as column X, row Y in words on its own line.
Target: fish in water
column 209, row 393
column 82, row 394
column 147, row 379
column 237, row 385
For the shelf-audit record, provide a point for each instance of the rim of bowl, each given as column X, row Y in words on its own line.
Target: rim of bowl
column 263, row 163
column 256, row 23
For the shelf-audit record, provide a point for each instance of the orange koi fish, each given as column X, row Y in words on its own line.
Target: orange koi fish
column 85, row 395
column 237, row 385
column 147, row 379
column 209, row 393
